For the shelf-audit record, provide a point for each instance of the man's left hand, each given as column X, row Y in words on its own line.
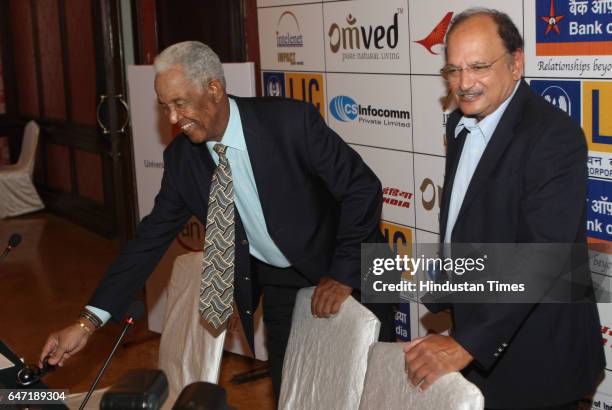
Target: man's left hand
column 430, row 357
column 328, row 297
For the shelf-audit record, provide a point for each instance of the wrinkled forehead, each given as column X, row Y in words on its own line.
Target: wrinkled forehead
column 172, row 84
column 475, row 39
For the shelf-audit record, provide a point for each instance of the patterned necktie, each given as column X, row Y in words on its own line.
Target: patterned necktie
column 217, row 286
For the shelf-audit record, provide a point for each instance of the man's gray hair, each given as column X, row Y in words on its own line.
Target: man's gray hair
column 200, row 63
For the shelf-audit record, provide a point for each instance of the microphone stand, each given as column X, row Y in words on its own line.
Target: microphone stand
column 128, row 323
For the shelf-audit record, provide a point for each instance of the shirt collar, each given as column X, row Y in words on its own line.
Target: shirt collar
column 233, row 137
column 488, row 124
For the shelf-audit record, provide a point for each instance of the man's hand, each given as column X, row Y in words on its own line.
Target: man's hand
column 430, row 357
column 62, row 345
column 328, row 297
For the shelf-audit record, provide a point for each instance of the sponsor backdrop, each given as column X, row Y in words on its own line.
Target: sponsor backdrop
column 372, row 70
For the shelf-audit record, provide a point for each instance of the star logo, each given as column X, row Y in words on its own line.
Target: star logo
column 552, row 19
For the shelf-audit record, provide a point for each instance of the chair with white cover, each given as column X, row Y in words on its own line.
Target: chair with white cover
column 188, row 352
column 326, row 358
column 18, row 193
column 387, row 386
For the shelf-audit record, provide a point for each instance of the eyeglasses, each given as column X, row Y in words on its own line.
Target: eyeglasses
column 451, row 72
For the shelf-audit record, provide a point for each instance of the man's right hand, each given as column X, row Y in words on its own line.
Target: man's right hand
column 62, row 345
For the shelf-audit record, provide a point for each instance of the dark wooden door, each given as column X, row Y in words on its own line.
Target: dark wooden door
column 63, row 67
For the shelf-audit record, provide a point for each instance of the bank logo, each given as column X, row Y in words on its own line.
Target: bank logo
column 274, row 84
column 552, row 19
column 343, row 108
column 564, row 95
column 597, row 124
column 436, row 37
column 288, row 33
column 599, row 210
column 359, row 42
column 573, row 27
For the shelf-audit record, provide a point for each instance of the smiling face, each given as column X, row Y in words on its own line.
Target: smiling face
column 477, row 42
column 202, row 112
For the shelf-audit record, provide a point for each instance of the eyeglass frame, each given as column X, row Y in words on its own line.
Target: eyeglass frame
column 476, row 69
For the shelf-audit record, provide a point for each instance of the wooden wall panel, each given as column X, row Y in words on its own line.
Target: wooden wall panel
column 25, row 64
column 89, row 175
column 81, row 60
column 147, row 30
column 58, row 167
column 51, row 65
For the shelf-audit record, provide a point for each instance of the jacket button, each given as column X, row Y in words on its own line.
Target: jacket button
column 495, row 354
column 247, row 278
column 244, row 242
column 248, row 312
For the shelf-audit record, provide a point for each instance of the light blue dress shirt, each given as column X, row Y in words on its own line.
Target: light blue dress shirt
column 478, row 137
column 246, row 198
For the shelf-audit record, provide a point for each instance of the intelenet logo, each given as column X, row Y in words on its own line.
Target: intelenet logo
column 343, row 108
column 288, row 32
column 288, row 35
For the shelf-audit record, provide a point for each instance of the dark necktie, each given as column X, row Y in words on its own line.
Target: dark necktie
column 217, row 286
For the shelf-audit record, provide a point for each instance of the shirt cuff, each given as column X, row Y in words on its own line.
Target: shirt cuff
column 103, row 315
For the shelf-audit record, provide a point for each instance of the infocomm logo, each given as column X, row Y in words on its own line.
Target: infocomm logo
column 343, row 108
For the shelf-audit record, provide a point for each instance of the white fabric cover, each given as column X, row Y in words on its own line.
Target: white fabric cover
column 188, row 352
column 387, row 386
column 17, row 193
column 325, row 362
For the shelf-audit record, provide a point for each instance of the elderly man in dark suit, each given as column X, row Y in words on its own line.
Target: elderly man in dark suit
column 285, row 201
column 515, row 173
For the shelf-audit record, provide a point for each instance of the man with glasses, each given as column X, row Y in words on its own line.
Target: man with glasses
column 515, row 173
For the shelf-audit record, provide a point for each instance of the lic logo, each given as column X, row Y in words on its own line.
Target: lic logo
column 274, row 87
column 559, row 98
column 343, row 108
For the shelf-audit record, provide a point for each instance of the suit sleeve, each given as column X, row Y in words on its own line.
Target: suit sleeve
column 552, row 211
column 353, row 184
column 139, row 257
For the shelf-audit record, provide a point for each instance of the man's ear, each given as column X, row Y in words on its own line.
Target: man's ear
column 216, row 90
column 518, row 64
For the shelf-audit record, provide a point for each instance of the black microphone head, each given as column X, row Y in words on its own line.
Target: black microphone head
column 135, row 310
column 14, row 240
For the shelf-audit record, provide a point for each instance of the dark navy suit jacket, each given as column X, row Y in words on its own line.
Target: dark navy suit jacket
column 319, row 199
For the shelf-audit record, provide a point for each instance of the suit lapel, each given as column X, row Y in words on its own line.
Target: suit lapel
column 453, row 153
column 204, row 167
column 501, row 138
column 262, row 151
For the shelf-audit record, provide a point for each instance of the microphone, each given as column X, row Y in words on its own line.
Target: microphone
column 13, row 241
column 134, row 313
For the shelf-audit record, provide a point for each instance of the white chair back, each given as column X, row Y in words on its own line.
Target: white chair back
column 188, row 352
column 29, row 143
column 387, row 386
column 326, row 359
